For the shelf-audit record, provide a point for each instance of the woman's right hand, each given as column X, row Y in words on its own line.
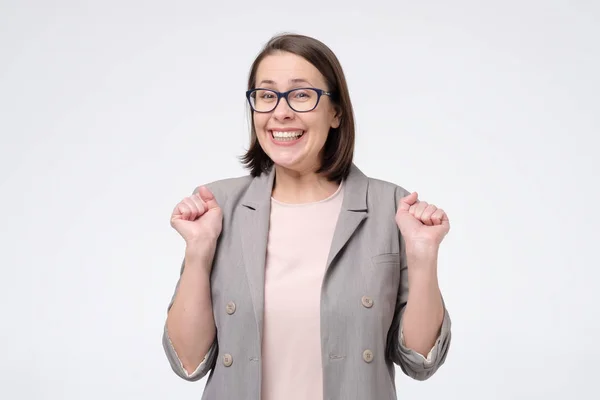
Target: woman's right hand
column 198, row 218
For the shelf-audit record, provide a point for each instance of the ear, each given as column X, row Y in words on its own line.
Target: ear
column 337, row 119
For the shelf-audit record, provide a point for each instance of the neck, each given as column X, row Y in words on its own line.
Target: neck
column 301, row 187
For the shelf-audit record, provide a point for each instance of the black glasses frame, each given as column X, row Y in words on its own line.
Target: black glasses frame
column 320, row 92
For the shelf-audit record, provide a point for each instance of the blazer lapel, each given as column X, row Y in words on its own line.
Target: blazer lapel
column 353, row 212
column 256, row 204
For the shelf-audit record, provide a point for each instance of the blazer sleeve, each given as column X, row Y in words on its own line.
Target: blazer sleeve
column 412, row 363
column 209, row 358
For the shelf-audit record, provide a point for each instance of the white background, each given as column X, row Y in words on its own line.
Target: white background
column 112, row 111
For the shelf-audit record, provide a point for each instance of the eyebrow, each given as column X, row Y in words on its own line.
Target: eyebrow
column 295, row 80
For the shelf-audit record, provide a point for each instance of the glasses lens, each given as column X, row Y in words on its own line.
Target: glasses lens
column 263, row 100
column 303, row 99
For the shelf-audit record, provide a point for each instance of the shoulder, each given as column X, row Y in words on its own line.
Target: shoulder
column 386, row 186
column 228, row 188
column 379, row 194
column 380, row 189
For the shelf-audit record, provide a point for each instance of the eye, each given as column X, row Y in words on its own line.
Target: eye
column 265, row 95
column 302, row 95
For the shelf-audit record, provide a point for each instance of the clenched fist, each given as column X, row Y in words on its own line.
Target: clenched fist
column 421, row 222
column 198, row 217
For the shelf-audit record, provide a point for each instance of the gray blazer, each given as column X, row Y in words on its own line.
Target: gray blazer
column 360, row 344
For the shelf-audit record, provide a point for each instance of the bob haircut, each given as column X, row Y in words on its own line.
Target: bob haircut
column 338, row 151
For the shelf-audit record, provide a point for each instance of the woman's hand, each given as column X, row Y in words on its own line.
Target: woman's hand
column 198, row 218
column 422, row 225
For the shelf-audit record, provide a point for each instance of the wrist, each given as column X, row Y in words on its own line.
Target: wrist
column 201, row 250
column 422, row 260
column 200, row 244
column 419, row 250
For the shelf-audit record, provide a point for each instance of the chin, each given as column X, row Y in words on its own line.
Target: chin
column 287, row 161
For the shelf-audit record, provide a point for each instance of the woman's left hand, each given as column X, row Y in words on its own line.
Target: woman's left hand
column 422, row 225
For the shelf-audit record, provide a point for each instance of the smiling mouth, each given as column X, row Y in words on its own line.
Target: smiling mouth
column 286, row 136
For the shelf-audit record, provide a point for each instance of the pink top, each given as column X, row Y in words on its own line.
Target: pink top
column 300, row 236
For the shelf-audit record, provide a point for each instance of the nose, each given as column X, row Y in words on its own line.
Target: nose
column 283, row 111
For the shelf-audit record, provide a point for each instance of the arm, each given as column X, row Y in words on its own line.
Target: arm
column 420, row 335
column 424, row 313
column 189, row 336
column 419, row 338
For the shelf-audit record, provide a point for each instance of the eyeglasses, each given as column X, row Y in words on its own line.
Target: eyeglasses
column 299, row 100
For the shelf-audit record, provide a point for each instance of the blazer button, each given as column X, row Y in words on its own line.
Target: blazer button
column 367, row 301
column 230, row 308
column 368, row 356
column 227, row 360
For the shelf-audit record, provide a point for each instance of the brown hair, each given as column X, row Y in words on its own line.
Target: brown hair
column 339, row 146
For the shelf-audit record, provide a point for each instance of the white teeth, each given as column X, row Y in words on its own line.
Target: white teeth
column 287, row 135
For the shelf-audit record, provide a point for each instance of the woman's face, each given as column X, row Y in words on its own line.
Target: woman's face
column 291, row 139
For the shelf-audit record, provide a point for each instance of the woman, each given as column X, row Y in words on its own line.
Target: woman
column 295, row 281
